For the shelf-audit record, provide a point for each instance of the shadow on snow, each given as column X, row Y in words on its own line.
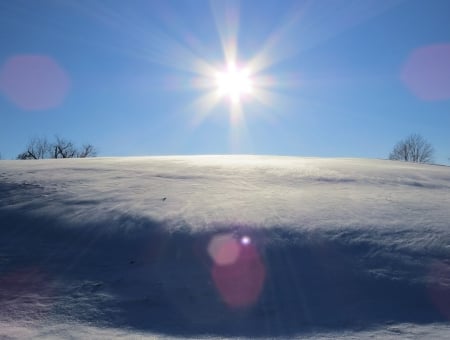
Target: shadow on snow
column 130, row 271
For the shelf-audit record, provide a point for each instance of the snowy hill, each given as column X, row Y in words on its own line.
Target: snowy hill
column 224, row 246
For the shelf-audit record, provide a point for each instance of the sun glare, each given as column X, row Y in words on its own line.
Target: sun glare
column 234, row 82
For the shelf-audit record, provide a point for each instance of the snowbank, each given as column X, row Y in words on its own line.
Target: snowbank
column 221, row 246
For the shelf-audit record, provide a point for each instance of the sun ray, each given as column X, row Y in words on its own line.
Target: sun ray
column 226, row 17
column 312, row 23
column 275, row 48
column 238, row 127
column 203, row 106
column 234, row 85
column 145, row 41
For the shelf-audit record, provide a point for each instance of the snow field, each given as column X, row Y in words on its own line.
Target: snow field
column 224, row 246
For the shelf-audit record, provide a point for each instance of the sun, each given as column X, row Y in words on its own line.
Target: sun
column 234, row 82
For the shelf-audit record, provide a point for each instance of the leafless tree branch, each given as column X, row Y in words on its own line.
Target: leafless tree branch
column 40, row 148
column 37, row 148
column 87, row 150
column 413, row 148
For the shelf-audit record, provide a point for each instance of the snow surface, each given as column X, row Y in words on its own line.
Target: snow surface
column 224, row 246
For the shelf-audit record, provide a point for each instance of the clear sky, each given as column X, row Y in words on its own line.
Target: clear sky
column 307, row 78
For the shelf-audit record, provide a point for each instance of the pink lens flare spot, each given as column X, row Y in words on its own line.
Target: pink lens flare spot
column 237, row 271
column 438, row 287
column 224, row 249
column 427, row 72
column 34, row 82
column 26, row 291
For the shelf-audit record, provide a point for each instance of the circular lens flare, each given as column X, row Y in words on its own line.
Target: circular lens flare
column 34, row 82
column 238, row 271
column 224, row 250
column 245, row 240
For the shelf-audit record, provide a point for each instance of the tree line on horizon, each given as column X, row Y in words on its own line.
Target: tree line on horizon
column 41, row 148
column 414, row 148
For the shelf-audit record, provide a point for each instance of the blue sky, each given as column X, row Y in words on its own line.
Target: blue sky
column 329, row 78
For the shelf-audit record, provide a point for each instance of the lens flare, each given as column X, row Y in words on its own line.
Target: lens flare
column 224, row 250
column 237, row 271
column 245, row 240
column 34, row 82
column 438, row 283
column 426, row 73
column 26, row 291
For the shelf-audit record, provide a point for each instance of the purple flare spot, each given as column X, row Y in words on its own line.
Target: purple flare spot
column 34, row 82
column 237, row 271
column 427, row 72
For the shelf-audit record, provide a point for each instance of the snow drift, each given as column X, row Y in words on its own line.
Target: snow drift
column 239, row 246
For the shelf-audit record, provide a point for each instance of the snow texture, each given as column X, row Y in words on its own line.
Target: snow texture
column 224, row 246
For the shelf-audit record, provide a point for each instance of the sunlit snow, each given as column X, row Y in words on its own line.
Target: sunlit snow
column 224, row 246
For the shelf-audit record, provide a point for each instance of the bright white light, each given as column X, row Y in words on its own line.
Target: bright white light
column 234, row 82
column 245, row 240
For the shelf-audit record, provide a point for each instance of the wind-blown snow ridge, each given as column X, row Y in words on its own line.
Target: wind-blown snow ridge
column 225, row 246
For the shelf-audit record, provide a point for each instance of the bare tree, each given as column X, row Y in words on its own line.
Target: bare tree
column 63, row 148
column 87, row 150
column 37, row 148
column 413, row 148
